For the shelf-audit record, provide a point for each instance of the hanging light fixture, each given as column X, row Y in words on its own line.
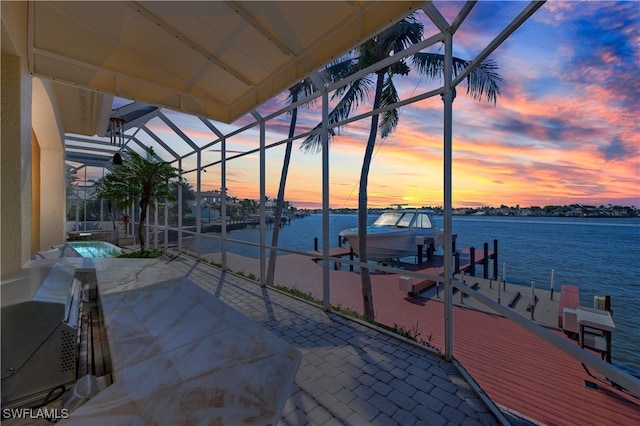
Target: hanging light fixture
column 117, row 159
column 116, row 131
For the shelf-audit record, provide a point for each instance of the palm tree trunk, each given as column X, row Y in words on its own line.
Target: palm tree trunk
column 111, row 214
column 144, row 204
column 365, row 277
column 271, row 268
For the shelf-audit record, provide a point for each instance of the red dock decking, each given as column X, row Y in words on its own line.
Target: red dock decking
column 515, row 368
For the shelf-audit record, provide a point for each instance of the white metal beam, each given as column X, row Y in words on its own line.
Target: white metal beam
column 436, row 17
column 326, row 281
column 449, row 94
column 462, row 15
column 263, row 194
column 160, row 141
column 178, row 131
column 223, row 190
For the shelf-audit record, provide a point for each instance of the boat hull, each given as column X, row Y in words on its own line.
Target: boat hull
column 391, row 243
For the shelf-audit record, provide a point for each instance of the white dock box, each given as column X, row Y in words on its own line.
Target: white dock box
column 405, row 284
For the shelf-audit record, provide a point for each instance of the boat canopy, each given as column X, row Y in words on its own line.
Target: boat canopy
column 405, row 219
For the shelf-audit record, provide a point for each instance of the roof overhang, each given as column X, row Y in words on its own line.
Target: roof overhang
column 212, row 59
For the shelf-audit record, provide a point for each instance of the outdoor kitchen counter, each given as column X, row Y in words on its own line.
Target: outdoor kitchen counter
column 182, row 356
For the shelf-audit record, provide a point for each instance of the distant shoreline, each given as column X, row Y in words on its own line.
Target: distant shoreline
column 578, row 211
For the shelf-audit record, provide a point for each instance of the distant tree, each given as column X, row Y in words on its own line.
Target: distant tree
column 188, row 196
column 106, row 190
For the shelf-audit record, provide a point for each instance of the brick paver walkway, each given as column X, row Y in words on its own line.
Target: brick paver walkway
column 350, row 374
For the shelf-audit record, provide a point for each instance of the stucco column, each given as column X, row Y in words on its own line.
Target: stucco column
column 50, row 188
column 15, row 161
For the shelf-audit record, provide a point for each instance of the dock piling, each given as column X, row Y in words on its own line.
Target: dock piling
column 472, row 260
column 495, row 259
column 533, row 298
column 420, row 245
column 351, row 259
column 486, row 261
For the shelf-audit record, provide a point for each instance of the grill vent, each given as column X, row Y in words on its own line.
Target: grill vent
column 68, row 352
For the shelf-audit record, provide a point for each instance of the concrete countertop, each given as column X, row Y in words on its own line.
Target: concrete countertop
column 182, row 356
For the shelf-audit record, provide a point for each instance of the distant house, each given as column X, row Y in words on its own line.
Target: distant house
column 210, row 205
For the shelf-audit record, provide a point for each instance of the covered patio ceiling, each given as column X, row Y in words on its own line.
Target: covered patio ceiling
column 213, row 59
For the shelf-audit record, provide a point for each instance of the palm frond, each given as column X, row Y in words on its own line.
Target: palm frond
column 399, row 36
column 431, row 65
column 341, row 68
column 483, row 82
column 389, row 96
column 357, row 92
column 302, row 89
column 335, row 71
column 128, row 181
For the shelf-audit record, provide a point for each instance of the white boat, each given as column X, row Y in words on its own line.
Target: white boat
column 394, row 234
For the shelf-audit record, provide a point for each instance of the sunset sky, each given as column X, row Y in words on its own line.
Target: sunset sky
column 564, row 130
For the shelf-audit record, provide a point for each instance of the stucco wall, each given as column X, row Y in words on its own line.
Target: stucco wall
column 15, row 142
column 15, row 146
column 50, row 140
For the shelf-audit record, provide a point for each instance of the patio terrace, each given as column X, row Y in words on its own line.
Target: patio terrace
column 363, row 365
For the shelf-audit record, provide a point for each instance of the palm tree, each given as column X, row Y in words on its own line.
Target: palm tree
column 107, row 190
column 140, row 179
column 482, row 83
column 303, row 88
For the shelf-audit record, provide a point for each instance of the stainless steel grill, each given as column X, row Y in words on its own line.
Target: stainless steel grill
column 40, row 320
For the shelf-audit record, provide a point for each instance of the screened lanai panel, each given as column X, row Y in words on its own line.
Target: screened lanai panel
column 157, row 133
column 210, row 156
column 90, row 157
column 96, row 156
column 192, row 126
column 147, row 140
column 243, row 142
column 94, row 142
column 211, row 178
column 243, row 177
